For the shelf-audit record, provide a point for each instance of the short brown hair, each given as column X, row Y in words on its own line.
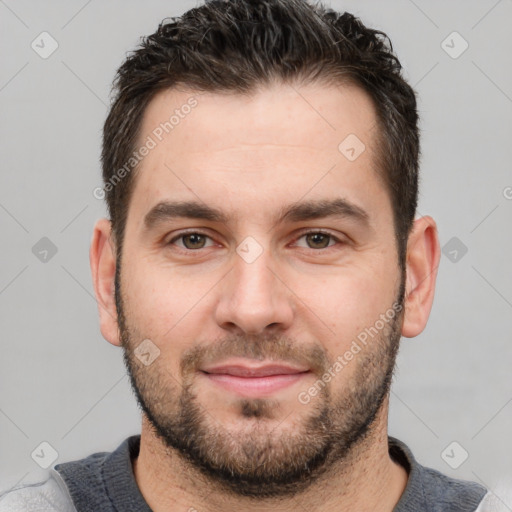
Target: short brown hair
column 238, row 45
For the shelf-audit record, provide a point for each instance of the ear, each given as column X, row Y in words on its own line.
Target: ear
column 423, row 255
column 103, row 268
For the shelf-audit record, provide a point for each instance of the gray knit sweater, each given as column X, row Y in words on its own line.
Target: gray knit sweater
column 104, row 482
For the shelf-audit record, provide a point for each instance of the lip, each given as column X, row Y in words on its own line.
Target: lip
column 246, row 368
column 254, row 379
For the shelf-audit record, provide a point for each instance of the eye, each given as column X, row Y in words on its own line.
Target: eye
column 319, row 239
column 195, row 240
column 191, row 241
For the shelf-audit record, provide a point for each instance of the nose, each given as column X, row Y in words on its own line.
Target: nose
column 254, row 298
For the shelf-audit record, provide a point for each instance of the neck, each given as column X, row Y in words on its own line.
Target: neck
column 367, row 480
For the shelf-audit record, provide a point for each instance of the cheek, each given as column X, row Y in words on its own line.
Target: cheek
column 160, row 304
column 350, row 301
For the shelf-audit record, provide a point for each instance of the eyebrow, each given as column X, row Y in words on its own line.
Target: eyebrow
column 295, row 212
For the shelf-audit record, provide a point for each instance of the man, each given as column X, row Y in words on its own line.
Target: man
column 261, row 262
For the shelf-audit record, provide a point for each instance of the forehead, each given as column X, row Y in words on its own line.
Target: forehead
column 318, row 116
column 276, row 144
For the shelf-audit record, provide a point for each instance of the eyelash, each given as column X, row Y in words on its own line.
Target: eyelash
column 305, row 233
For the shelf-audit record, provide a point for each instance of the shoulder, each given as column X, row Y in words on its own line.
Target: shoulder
column 104, row 480
column 430, row 490
column 47, row 496
column 79, row 484
column 499, row 499
column 445, row 491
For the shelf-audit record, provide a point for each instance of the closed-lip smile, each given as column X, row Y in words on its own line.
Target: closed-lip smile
column 254, row 379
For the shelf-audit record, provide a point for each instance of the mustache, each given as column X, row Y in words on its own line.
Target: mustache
column 264, row 347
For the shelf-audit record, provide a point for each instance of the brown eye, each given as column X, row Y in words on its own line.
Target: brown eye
column 318, row 240
column 193, row 241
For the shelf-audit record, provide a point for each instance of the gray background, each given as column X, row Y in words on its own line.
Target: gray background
column 60, row 382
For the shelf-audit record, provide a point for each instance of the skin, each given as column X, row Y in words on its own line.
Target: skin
column 249, row 156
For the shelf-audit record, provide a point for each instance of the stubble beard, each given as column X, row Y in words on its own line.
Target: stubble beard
column 263, row 459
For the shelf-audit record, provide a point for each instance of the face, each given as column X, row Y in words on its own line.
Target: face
column 269, row 311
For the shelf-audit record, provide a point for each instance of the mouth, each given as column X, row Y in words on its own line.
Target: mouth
column 252, row 379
